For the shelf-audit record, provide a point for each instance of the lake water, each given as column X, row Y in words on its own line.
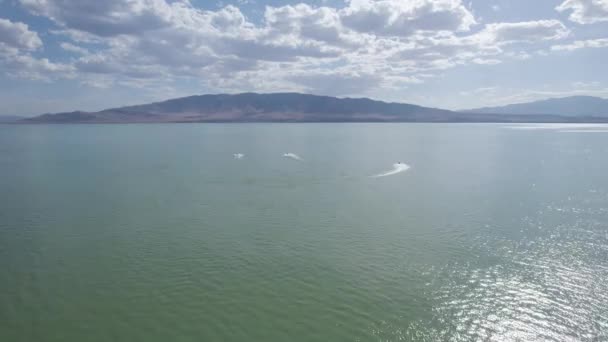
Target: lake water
column 158, row 233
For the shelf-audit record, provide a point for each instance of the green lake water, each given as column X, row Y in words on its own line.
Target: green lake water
column 157, row 233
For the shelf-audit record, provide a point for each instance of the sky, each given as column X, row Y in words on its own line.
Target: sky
column 64, row 55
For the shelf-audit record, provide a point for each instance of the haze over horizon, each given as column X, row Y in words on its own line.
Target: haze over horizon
column 452, row 54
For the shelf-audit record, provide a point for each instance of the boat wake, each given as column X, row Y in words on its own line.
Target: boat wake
column 292, row 156
column 397, row 168
column 238, row 156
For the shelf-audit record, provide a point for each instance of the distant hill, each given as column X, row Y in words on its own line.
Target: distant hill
column 282, row 107
column 9, row 118
column 573, row 106
column 251, row 107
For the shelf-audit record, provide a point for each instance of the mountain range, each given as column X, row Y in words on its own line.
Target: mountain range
column 573, row 106
column 295, row 107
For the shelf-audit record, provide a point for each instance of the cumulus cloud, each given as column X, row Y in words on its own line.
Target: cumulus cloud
column 108, row 17
column 17, row 41
column 28, row 67
column 18, row 35
column 585, row 11
column 360, row 46
column 321, row 24
column 402, row 18
column 487, row 46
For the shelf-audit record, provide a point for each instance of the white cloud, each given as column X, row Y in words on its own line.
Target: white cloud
column 17, row 41
column 486, row 61
column 305, row 22
column 518, row 55
column 28, row 67
column 107, row 17
column 18, row 35
column 581, row 44
column 362, row 46
column 529, row 31
column 488, row 46
column 73, row 48
column 402, row 18
column 585, row 11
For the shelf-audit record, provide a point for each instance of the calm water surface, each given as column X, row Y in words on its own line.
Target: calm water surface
column 157, row 233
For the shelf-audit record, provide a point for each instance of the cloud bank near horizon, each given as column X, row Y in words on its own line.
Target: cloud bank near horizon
column 387, row 49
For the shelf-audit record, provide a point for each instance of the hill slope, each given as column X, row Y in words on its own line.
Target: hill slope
column 573, row 106
column 251, row 107
column 284, row 107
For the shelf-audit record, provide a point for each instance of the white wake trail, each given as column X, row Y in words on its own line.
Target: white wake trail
column 397, row 168
column 238, row 156
column 292, row 156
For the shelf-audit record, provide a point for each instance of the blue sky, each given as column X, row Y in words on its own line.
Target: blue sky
column 62, row 55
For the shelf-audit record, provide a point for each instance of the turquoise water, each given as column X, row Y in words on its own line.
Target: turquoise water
column 157, row 233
